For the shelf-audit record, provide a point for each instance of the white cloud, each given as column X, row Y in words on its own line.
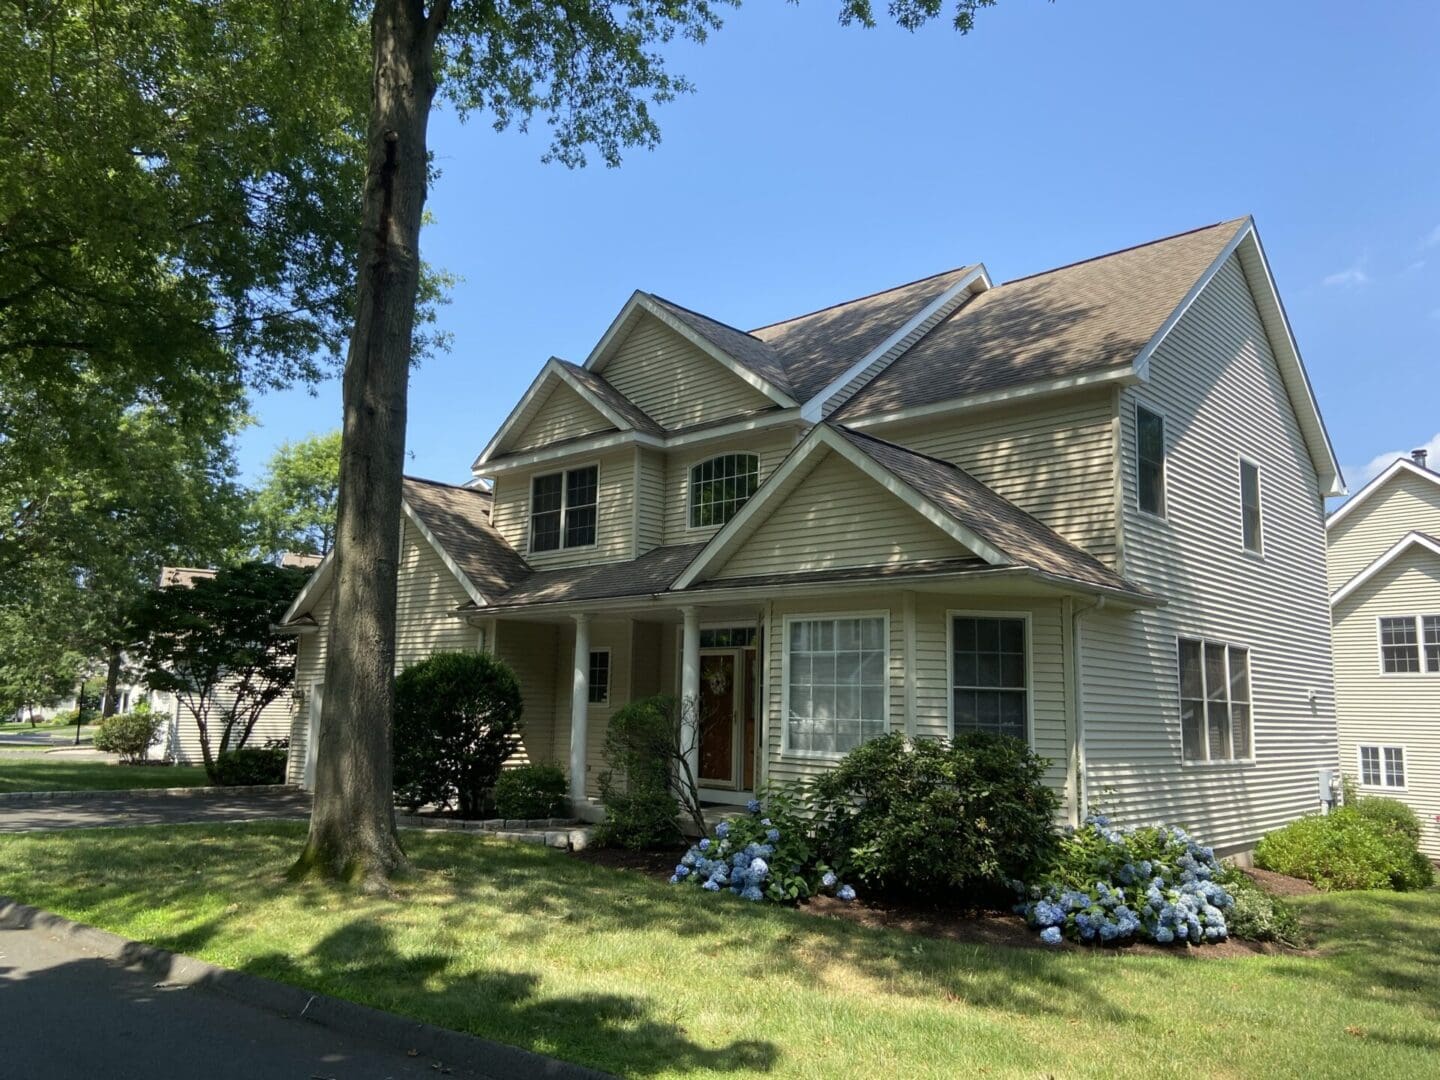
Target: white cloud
column 1356, row 476
column 1433, row 240
column 1349, row 277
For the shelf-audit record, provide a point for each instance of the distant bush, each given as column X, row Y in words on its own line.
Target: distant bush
column 531, row 791
column 636, row 788
column 251, row 766
column 457, row 719
column 129, row 734
column 1255, row 915
column 1389, row 814
column 1349, row 848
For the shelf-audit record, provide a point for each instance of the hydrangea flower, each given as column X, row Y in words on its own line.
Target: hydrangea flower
column 712, row 885
column 1050, row 935
column 773, row 836
column 753, row 806
column 758, row 868
column 704, row 844
column 846, row 893
column 829, row 879
column 682, row 871
column 752, row 892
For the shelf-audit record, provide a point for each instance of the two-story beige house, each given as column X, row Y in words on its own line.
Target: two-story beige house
column 1084, row 508
column 1384, row 561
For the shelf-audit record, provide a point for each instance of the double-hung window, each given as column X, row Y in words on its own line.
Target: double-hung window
column 599, row 677
column 1382, row 766
column 1250, row 526
column 989, row 686
column 1410, row 644
column 562, row 509
column 836, row 682
column 720, row 486
column 1215, row 712
column 1150, row 460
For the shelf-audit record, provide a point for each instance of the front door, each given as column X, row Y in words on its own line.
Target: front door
column 720, row 696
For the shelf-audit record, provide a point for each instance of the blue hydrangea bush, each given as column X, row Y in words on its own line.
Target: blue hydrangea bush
column 766, row 854
column 1112, row 884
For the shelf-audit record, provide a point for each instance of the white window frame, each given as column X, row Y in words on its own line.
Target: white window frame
column 829, row 616
column 1136, row 407
column 1380, row 748
column 1418, row 619
column 694, row 464
column 966, row 613
column 564, row 508
column 609, row 676
column 1207, row 762
column 1241, row 461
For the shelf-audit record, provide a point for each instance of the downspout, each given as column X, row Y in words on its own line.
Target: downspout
column 1078, row 759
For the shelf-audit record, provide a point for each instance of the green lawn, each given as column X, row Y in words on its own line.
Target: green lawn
column 535, row 948
column 47, row 774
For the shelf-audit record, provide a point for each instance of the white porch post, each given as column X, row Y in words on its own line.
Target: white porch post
column 690, row 689
column 579, row 708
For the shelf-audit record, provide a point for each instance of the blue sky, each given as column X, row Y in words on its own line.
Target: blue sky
column 817, row 163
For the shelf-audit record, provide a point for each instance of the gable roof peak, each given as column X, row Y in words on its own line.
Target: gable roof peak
column 1401, row 465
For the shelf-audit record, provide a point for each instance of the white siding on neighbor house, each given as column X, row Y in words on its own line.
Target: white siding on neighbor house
column 838, row 517
column 1406, row 503
column 1216, row 382
column 615, row 510
column 674, row 382
column 771, row 447
column 561, row 414
column 1378, row 709
column 182, row 741
column 1054, row 459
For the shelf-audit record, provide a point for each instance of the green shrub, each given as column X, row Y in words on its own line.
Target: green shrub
column 251, row 766
column 1255, row 915
column 457, row 719
column 1389, row 814
column 962, row 817
column 129, row 734
column 531, row 791
column 641, row 810
column 1345, row 849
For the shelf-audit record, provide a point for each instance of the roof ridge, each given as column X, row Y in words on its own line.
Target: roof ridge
column 707, row 318
column 1123, row 250
column 866, row 296
column 446, row 484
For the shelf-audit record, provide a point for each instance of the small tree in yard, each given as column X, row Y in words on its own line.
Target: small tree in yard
column 210, row 644
column 648, row 746
column 457, row 721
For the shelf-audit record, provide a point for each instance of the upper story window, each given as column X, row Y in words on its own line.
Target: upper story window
column 1250, row 506
column 562, row 509
column 1214, row 701
column 1409, row 644
column 1150, row 460
column 720, row 487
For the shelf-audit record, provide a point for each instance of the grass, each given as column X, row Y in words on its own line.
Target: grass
column 621, row 972
column 41, row 774
column 54, row 724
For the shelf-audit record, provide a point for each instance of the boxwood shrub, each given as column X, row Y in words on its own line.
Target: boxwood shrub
column 531, row 791
column 1349, row 848
column 251, row 766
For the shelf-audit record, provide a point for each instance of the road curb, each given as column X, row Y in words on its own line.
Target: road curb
column 453, row 1048
column 148, row 793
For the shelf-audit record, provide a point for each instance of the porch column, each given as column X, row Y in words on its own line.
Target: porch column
column 579, row 707
column 690, row 689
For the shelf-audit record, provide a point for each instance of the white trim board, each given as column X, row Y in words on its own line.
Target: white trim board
column 1395, row 468
column 554, row 369
column 1398, row 549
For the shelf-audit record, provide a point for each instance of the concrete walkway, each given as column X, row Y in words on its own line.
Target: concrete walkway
column 122, row 808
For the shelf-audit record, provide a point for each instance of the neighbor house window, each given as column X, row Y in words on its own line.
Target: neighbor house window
column 1382, row 766
column 1150, row 460
column 1399, row 645
column 562, row 509
column 1250, row 506
column 1215, row 715
column 720, row 487
column 1430, row 625
column 600, row 677
column 989, row 689
column 837, row 683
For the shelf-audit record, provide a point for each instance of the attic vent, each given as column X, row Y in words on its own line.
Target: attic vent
column 1419, row 456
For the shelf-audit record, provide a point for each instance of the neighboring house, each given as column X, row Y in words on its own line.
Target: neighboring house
column 1384, row 560
column 1085, row 508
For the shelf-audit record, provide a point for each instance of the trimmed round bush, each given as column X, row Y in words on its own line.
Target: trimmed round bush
column 252, row 766
column 531, row 791
column 457, row 720
column 959, row 818
column 1346, row 849
column 129, row 734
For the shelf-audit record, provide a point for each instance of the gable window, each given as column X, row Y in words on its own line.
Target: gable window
column 1382, row 766
column 1250, row 505
column 837, row 683
column 599, row 677
column 1150, row 460
column 562, row 509
column 989, row 690
column 1215, row 712
column 720, row 487
column 1399, row 645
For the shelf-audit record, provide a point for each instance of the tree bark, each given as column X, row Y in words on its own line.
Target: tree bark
column 352, row 826
column 112, row 681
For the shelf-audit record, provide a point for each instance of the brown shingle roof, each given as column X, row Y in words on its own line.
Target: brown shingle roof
column 652, row 572
column 597, row 385
column 745, row 348
column 459, row 518
column 1071, row 321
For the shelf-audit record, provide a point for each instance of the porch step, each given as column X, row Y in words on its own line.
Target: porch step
column 565, row 834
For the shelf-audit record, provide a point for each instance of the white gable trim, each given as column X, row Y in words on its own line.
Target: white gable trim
column 641, row 302
column 973, row 283
column 450, row 564
column 1396, row 467
column 1406, row 542
column 733, row 535
column 314, row 586
column 553, row 369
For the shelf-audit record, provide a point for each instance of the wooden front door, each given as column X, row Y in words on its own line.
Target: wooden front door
column 720, row 696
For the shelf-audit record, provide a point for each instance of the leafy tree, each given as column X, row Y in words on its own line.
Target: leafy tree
column 38, row 663
column 210, row 645
column 294, row 508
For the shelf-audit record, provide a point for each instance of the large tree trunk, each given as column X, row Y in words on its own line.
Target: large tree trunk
column 112, row 681
column 352, row 826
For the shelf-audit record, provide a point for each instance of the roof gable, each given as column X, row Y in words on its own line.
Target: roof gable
column 1412, row 541
column 1398, row 471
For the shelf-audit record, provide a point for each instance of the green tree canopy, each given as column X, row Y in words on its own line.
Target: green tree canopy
column 294, row 507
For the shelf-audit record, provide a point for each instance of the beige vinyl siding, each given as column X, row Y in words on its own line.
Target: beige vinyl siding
column 769, row 446
column 838, row 517
column 309, row 673
column 1216, row 382
column 183, row 738
column 615, row 509
column 1378, row 709
column 1054, row 459
column 674, row 382
column 650, row 500
column 532, row 652
column 1406, row 503
column 561, row 414
column 612, row 634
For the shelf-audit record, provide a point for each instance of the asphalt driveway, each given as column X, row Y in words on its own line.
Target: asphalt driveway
column 116, row 809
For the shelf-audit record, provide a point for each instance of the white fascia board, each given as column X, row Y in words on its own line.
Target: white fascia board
column 737, row 427
column 1122, row 375
column 553, row 369
column 450, row 564
column 1406, row 542
column 977, row 281
column 319, row 578
column 1396, row 467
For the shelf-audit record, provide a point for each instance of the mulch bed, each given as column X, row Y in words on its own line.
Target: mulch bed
column 1278, row 884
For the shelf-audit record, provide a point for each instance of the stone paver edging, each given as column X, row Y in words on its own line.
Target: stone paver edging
column 562, row 833
column 127, row 793
column 346, row 1017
